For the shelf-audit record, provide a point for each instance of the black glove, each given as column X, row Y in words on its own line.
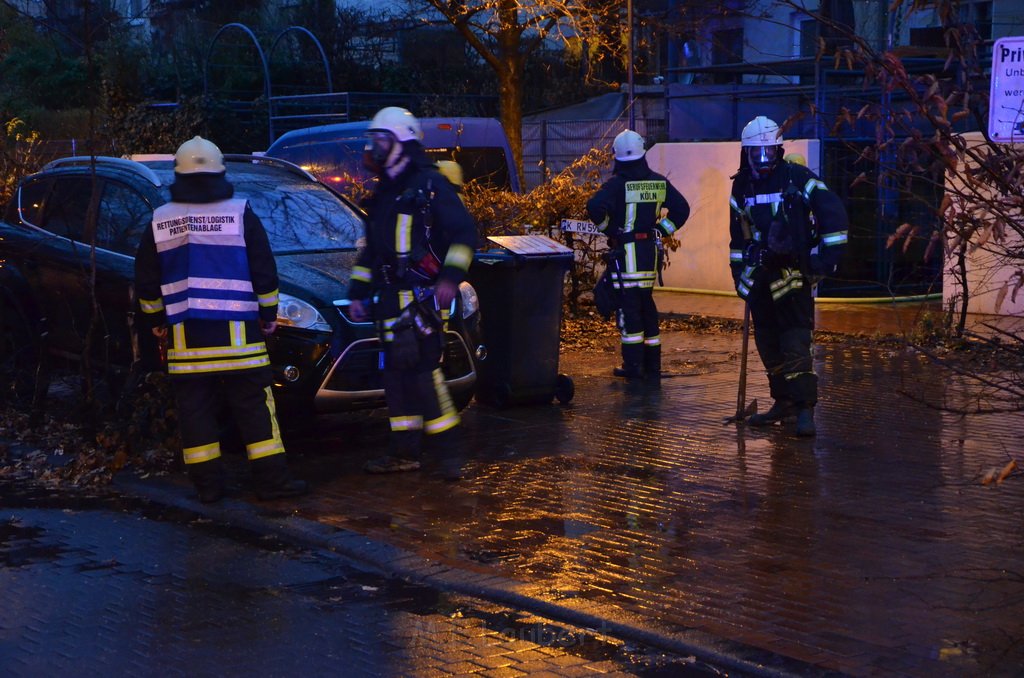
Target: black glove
column 780, row 240
column 757, row 254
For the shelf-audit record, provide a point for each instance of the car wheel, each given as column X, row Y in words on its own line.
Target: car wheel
column 19, row 351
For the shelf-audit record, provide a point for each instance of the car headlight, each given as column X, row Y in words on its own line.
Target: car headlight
column 294, row 312
column 470, row 302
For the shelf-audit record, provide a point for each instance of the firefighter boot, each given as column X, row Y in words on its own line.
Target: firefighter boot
column 273, row 480
column 805, row 422
column 445, row 448
column 208, row 477
column 652, row 363
column 403, row 454
column 632, row 354
column 780, row 409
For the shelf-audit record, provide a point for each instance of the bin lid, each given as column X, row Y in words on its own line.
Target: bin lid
column 530, row 245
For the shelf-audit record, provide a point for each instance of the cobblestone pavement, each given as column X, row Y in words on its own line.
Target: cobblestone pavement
column 873, row 549
column 93, row 590
column 870, row 550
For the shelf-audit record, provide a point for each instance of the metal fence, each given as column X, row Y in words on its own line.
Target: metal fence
column 549, row 146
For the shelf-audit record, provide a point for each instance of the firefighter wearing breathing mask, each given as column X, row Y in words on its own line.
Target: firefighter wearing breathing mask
column 419, row 245
column 787, row 231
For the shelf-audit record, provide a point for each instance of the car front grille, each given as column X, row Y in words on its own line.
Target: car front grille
column 357, row 368
column 355, row 379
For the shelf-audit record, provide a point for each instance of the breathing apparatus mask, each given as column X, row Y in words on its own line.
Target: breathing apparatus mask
column 762, row 158
column 382, row 151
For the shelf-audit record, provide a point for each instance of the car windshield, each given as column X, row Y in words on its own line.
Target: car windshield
column 299, row 215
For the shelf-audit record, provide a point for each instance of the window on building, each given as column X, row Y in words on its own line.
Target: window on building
column 808, row 37
column 726, row 48
column 980, row 15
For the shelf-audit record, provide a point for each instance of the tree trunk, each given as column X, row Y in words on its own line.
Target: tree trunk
column 510, row 97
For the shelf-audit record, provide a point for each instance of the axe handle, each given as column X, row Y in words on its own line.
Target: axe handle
column 741, row 396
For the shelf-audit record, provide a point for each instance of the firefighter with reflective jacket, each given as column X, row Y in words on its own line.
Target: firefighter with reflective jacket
column 779, row 212
column 207, row 282
column 635, row 208
column 419, row 245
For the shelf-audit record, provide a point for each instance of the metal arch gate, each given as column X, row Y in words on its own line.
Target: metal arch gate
column 267, row 93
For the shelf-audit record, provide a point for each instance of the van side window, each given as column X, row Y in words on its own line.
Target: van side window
column 67, row 207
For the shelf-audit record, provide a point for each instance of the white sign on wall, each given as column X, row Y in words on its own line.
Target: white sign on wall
column 1006, row 98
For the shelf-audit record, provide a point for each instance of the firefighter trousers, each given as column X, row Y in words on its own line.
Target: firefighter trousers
column 783, row 330
column 246, row 396
column 418, row 401
column 640, row 333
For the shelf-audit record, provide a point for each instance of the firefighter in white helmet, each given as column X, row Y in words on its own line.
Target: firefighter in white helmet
column 217, row 358
column 787, row 231
column 635, row 208
column 419, row 244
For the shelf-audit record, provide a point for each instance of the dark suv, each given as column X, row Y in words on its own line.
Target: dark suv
column 323, row 361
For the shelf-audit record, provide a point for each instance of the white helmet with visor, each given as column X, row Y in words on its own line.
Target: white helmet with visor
column 761, row 141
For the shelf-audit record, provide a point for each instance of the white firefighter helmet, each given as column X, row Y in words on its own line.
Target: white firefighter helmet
column 628, row 145
column 761, row 131
column 399, row 122
column 197, row 156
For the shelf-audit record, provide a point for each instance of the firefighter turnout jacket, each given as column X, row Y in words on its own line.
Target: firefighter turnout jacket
column 418, row 233
column 633, row 208
column 207, row 270
column 791, row 205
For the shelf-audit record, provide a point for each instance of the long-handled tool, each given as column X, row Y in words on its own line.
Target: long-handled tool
column 743, row 410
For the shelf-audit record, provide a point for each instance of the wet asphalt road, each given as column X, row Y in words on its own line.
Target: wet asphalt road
column 100, row 587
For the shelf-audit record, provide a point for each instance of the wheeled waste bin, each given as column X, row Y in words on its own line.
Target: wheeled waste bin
column 519, row 283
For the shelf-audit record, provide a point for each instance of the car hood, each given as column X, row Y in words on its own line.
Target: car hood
column 319, row 278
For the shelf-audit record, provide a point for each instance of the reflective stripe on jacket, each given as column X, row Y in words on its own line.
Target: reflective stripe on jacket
column 204, row 267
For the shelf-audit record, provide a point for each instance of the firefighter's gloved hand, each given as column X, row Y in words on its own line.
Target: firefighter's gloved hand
column 780, row 240
column 444, row 293
column 757, row 254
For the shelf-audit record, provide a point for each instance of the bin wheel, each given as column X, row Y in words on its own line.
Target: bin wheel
column 565, row 389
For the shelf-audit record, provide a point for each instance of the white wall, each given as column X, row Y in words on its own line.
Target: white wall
column 986, row 280
column 701, row 172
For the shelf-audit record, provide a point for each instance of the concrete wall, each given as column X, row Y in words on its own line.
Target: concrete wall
column 701, row 172
column 989, row 276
